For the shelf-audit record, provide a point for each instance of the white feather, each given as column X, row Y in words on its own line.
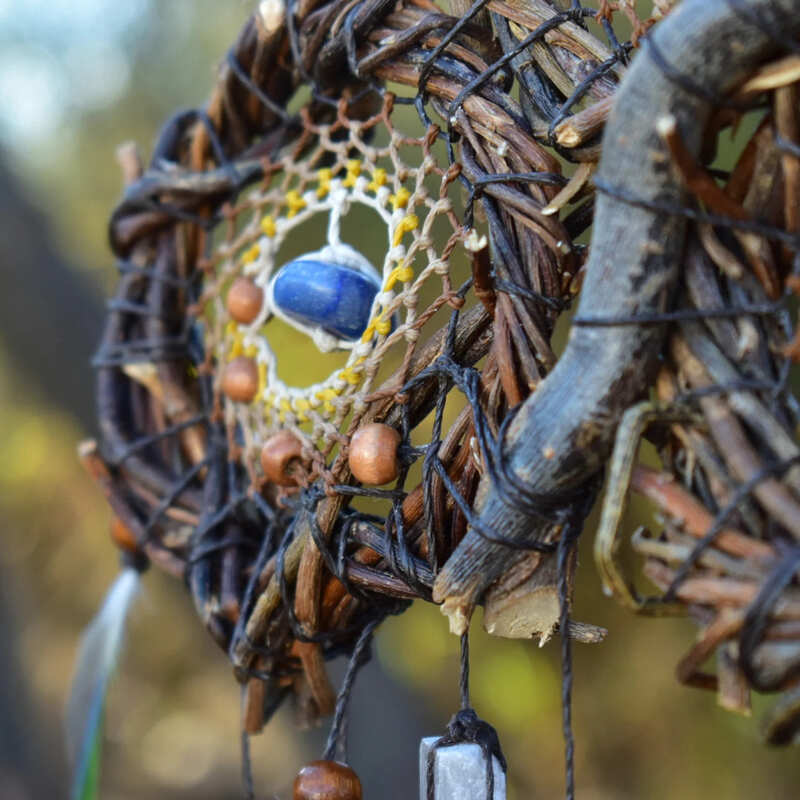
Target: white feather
column 97, row 658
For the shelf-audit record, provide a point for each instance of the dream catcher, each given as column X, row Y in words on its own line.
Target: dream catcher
column 431, row 457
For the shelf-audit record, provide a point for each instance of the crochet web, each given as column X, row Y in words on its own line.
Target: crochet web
column 342, row 171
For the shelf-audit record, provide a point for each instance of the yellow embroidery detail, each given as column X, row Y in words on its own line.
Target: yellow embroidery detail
column 379, row 178
column 352, row 377
column 301, row 405
column 285, row 407
column 268, row 226
column 237, row 348
column 326, row 395
column 402, row 273
column 409, row 223
column 369, row 332
column 251, row 254
column 262, row 380
column 400, row 200
column 353, row 167
column 383, row 326
column 324, row 176
column 295, row 202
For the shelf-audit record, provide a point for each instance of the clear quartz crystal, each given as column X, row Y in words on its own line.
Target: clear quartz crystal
column 459, row 772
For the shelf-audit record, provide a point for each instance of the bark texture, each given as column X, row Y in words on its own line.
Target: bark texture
column 564, row 431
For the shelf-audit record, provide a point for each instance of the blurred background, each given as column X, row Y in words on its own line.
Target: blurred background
column 77, row 78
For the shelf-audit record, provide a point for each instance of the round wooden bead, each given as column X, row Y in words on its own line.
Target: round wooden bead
column 240, row 379
column 122, row 536
column 244, row 300
column 276, row 456
column 373, row 454
column 327, row 780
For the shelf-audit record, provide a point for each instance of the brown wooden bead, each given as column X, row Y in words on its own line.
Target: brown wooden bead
column 327, row 780
column 240, row 379
column 244, row 300
column 373, row 454
column 122, row 536
column 276, row 456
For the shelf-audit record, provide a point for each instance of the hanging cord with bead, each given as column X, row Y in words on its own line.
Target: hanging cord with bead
column 336, row 745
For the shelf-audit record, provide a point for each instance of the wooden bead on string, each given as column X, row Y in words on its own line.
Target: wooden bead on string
column 240, row 379
column 373, row 454
column 277, row 455
column 123, row 537
column 244, row 300
column 327, row 780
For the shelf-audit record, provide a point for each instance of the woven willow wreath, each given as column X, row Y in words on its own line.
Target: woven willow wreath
column 433, row 460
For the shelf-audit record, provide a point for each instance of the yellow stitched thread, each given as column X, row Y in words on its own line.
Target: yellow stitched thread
column 326, row 395
column 285, row 408
column 383, row 326
column 409, row 223
column 251, row 351
column 262, row 381
column 400, row 200
column 251, row 254
column 269, row 404
column 353, row 378
column 402, row 273
column 369, row 332
column 268, row 226
column 324, row 176
column 237, row 347
column 353, row 166
column 301, row 405
column 378, row 179
column 295, row 202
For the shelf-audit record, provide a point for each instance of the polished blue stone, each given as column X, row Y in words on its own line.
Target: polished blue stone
column 322, row 294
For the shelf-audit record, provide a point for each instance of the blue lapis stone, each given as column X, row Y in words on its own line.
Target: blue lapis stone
column 323, row 294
